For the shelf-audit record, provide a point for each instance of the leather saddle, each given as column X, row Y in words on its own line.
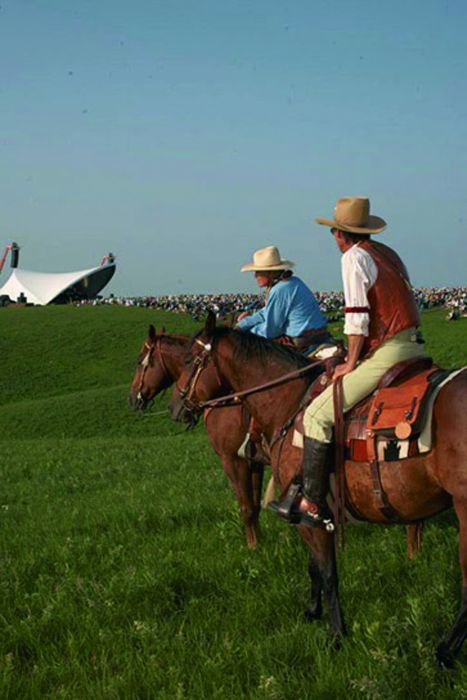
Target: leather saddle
column 395, row 411
column 386, row 426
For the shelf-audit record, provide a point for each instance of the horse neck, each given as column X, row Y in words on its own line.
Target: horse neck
column 173, row 355
column 270, row 407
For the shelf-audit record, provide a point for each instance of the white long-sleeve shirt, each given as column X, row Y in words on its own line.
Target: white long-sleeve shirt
column 359, row 273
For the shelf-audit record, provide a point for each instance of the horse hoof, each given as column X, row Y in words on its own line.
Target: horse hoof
column 444, row 658
column 251, row 543
column 335, row 642
column 312, row 615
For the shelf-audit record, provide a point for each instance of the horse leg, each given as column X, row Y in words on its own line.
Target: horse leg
column 451, row 645
column 257, row 474
column 414, row 539
column 323, row 574
column 331, row 591
column 315, row 609
column 239, row 474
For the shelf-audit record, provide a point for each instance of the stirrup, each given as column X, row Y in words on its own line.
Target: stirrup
column 316, row 516
column 286, row 509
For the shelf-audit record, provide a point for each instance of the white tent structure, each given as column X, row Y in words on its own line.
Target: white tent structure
column 56, row 287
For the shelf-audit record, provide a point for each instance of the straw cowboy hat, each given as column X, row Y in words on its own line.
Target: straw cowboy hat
column 352, row 214
column 266, row 259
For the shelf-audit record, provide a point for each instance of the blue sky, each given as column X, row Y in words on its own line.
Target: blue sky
column 184, row 135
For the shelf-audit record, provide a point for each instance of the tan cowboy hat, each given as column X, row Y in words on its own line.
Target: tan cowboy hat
column 266, row 259
column 352, row 214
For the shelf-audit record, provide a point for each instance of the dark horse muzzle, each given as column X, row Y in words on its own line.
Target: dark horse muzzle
column 181, row 413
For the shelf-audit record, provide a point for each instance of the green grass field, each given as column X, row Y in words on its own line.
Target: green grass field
column 124, row 572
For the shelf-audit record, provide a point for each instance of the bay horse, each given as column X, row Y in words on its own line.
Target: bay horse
column 160, row 363
column 418, row 487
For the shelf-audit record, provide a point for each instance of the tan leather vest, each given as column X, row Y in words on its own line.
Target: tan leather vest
column 392, row 302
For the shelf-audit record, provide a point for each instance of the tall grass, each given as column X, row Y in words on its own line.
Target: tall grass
column 124, row 573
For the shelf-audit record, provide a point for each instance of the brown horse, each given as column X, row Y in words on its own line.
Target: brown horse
column 418, row 487
column 160, row 363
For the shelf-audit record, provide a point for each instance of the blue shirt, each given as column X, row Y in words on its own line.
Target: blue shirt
column 291, row 309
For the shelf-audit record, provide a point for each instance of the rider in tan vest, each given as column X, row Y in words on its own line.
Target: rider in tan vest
column 391, row 303
column 381, row 320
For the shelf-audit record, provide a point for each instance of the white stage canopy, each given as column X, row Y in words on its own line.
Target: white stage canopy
column 44, row 287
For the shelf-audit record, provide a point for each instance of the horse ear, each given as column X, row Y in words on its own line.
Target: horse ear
column 210, row 325
column 152, row 332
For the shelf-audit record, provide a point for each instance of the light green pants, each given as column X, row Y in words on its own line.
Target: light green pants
column 318, row 421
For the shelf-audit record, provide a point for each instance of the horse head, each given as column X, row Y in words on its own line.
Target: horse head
column 200, row 379
column 154, row 370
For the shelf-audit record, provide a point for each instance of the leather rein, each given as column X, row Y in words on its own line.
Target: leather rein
column 200, row 363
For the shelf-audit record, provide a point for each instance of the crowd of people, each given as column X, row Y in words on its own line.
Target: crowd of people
column 454, row 298
column 196, row 305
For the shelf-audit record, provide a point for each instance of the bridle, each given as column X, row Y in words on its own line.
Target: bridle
column 200, row 363
column 147, row 362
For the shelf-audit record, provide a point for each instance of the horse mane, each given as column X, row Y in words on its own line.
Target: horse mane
column 248, row 346
column 172, row 340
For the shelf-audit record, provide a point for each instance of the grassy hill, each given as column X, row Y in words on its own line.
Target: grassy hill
column 124, row 573
column 68, row 370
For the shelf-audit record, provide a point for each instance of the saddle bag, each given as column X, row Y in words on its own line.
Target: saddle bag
column 398, row 409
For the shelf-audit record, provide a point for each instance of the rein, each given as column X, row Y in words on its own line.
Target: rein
column 201, row 361
column 238, row 395
column 339, row 432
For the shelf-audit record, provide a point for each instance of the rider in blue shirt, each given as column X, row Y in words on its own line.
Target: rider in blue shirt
column 291, row 308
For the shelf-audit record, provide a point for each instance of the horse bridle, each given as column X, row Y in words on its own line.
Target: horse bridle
column 147, row 362
column 198, row 365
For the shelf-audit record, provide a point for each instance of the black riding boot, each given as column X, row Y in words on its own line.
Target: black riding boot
column 313, row 505
column 307, row 506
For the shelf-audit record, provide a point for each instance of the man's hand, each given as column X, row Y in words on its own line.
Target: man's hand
column 243, row 315
column 342, row 369
column 355, row 349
